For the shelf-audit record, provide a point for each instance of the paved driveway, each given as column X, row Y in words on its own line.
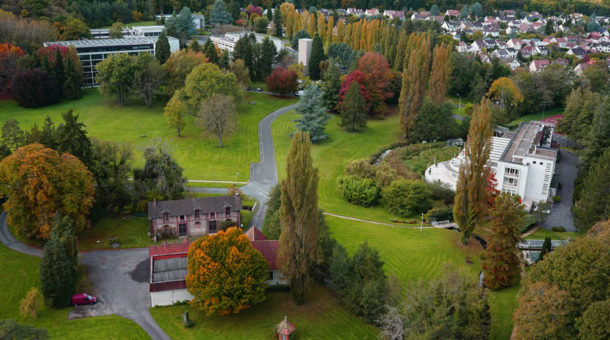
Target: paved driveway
column 561, row 213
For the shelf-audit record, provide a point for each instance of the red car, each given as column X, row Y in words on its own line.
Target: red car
column 83, row 299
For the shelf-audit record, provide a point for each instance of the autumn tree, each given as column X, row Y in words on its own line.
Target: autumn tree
column 471, row 194
column 178, row 67
column 313, row 118
column 116, row 31
column 31, row 304
column 62, row 185
column 226, row 274
column 414, row 79
column 299, row 217
column 439, row 75
column 282, row 81
column 239, row 69
column 206, row 80
column 161, row 178
column 506, row 96
column 217, row 115
column 501, row 265
column 377, row 79
column 115, row 76
column 353, row 109
column 175, row 111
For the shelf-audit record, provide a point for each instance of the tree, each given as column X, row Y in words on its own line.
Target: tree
column 181, row 25
column 313, row 114
column 31, row 304
column 178, row 67
column 57, row 273
column 73, row 76
column 414, row 79
column 219, row 14
column 277, row 24
column 501, row 265
column 62, row 185
column 476, row 10
column 239, row 69
column 71, row 137
column 594, row 202
column 194, row 45
column 12, row 135
column 471, row 194
column 260, row 25
column 449, row 307
column 439, row 74
column 74, row 29
column 206, row 80
column 433, row 122
column 218, row 116
column 9, row 329
column 226, row 274
column 243, row 50
column 302, row 34
column 316, row 57
column 271, row 226
column 162, row 48
column 282, row 81
column 331, row 85
column 209, row 49
column 546, row 248
column 148, row 75
column 223, row 62
column 505, row 95
column 353, row 109
column 406, row 198
column 115, row 76
column 175, row 111
column 59, row 73
column 161, row 178
column 594, row 321
column 377, row 79
column 299, row 217
column 434, row 10
column 34, row 88
column 116, row 31
column 267, row 56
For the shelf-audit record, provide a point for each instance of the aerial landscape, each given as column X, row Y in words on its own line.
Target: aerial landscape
column 231, row 169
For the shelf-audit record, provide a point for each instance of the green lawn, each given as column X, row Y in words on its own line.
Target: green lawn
column 331, row 157
column 321, row 317
column 19, row 273
column 139, row 126
column 503, row 303
column 132, row 233
column 536, row 116
column 541, row 233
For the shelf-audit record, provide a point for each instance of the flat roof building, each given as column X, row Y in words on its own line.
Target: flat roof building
column 227, row 42
column 93, row 51
column 522, row 160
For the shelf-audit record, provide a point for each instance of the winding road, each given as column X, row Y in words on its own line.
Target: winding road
column 120, row 276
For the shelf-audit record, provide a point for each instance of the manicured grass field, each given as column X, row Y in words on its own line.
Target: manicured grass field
column 19, row 273
column 331, row 157
column 503, row 303
column 536, row 116
column 132, row 233
column 138, row 125
column 321, row 317
column 541, row 233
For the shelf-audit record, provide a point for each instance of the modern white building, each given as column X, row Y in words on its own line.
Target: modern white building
column 304, row 52
column 138, row 31
column 227, row 42
column 198, row 19
column 91, row 52
column 522, row 160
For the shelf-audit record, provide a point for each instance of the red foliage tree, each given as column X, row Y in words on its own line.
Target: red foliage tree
column 358, row 77
column 9, row 54
column 34, row 88
column 492, row 192
column 377, row 80
column 50, row 52
column 251, row 9
column 282, row 81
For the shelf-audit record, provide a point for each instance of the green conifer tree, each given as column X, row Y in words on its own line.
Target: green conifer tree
column 162, row 49
column 223, row 62
column 277, row 24
column 59, row 73
column 73, row 81
column 353, row 110
column 299, row 217
column 209, row 49
column 219, row 14
column 313, row 114
column 546, row 248
column 316, row 57
column 331, row 84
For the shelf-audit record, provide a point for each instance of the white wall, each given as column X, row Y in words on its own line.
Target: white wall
column 174, row 44
column 169, row 297
column 304, row 52
column 539, row 178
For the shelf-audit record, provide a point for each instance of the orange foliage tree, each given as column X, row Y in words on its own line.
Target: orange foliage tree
column 226, row 274
column 38, row 183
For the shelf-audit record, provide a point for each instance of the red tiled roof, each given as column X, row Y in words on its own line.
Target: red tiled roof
column 269, row 250
column 170, row 285
column 254, row 234
column 169, row 248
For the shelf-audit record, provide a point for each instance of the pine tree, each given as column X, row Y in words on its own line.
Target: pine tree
column 277, row 23
column 299, row 217
column 414, row 79
column 209, row 49
column 59, row 73
column 267, row 56
column 546, row 248
column 331, row 84
column 243, row 51
column 316, row 57
column 162, row 49
column 72, row 137
column 501, row 265
column 353, row 110
column 219, row 14
column 471, row 193
column 439, row 74
column 194, row 45
column 223, row 62
column 313, row 114
column 73, row 80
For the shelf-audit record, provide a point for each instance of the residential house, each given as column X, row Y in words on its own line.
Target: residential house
column 354, row 11
column 578, row 51
column 452, row 13
column 193, row 216
column 538, row 65
column 580, row 68
column 392, row 14
column 371, row 12
column 514, row 64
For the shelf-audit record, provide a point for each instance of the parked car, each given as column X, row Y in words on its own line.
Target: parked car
column 83, row 299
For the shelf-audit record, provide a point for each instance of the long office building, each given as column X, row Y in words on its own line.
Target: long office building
column 227, row 42
column 91, row 52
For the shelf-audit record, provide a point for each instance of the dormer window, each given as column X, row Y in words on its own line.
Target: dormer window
column 196, row 213
column 228, row 210
column 165, row 217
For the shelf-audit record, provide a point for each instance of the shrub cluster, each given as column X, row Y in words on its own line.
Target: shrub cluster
column 359, row 191
column 406, row 198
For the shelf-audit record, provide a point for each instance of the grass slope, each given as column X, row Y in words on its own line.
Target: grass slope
column 19, row 273
column 138, row 125
column 331, row 157
column 321, row 317
column 132, row 233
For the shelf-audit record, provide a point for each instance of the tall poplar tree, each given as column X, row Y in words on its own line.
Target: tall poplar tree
column 414, row 79
column 316, row 57
column 299, row 217
column 501, row 265
column 471, row 193
column 277, row 23
column 439, row 74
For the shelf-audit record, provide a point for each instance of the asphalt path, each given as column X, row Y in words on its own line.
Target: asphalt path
column 561, row 213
